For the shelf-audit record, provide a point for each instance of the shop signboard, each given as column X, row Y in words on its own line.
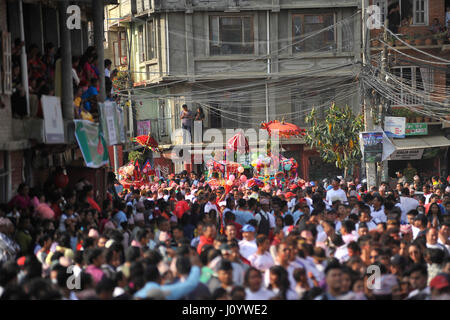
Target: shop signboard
column 53, row 120
column 395, row 127
column 416, row 129
column 409, row 154
column 372, row 146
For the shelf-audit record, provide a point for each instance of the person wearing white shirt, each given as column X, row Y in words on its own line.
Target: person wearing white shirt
column 276, row 279
column 444, row 235
column 247, row 246
column 254, row 289
column 336, row 193
column 377, row 210
column 432, row 240
column 211, row 206
column 407, row 204
column 262, row 259
column 418, row 279
column 365, row 216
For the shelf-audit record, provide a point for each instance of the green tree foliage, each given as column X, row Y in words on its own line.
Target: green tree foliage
column 337, row 136
column 133, row 155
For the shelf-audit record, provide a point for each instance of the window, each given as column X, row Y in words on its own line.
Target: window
column 231, row 35
column 7, row 75
column 120, row 49
column 305, row 25
column 419, row 79
column 141, row 50
column 151, row 45
column 420, row 12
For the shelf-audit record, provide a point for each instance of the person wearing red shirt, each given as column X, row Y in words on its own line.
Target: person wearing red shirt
column 232, row 233
column 90, row 198
column 207, row 238
column 182, row 206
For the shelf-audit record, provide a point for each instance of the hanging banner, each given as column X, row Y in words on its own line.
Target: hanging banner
column 110, row 122
column 121, row 120
column 410, row 154
column 372, row 146
column 91, row 143
column 395, row 127
column 416, row 129
column 53, row 120
column 143, row 127
column 388, row 147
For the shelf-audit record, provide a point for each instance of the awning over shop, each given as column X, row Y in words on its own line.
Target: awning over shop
column 421, row 143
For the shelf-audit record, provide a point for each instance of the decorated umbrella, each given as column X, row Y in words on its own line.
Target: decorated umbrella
column 255, row 182
column 285, row 129
column 238, row 143
column 147, row 141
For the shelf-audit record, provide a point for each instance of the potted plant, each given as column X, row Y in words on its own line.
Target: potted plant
column 418, row 39
column 409, row 39
column 419, row 118
column 440, row 38
column 429, row 40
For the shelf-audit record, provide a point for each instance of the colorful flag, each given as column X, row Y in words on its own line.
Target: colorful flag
column 91, row 143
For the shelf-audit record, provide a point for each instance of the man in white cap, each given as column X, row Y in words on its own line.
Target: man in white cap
column 265, row 219
column 247, row 246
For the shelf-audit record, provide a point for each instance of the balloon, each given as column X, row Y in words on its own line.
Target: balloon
column 243, row 179
column 232, row 178
column 254, row 156
column 287, row 167
column 229, row 183
column 241, row 169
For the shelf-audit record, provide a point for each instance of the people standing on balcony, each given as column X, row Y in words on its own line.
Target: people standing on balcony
column 36, row 68
column 447, row 18
column 394, row 18
column 198, row 124
column 186, row 123
column 436, row 27
column 49, row 60
column 75, row 77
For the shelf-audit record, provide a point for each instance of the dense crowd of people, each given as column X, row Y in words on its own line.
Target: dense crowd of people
column 180, row 238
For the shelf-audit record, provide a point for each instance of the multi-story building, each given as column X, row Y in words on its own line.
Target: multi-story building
column 243, row 62
column 417, row 61
column 25, row 154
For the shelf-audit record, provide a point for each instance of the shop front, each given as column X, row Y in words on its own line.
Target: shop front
column 425, row 155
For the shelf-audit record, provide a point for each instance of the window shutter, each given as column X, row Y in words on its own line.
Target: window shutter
column 7, row 76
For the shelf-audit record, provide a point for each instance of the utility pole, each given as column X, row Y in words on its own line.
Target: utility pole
column 66, row 63
column 368, row 121
column 383, row 166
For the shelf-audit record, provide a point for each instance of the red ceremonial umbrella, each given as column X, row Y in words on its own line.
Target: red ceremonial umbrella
column 239, row 143
column 255, row 182
column 285, row 129
column 147, row 141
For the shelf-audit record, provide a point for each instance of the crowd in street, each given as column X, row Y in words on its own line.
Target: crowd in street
column 180, row 238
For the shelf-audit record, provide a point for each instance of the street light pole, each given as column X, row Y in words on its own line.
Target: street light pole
column 368, row 121
column 383, row 170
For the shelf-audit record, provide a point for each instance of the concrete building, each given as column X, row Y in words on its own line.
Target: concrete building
column 25, row 156
column 414, row 59
column 244, row 62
